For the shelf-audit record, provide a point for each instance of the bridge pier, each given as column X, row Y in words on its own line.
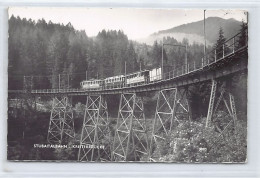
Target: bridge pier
column 172, row 104
column 182, row 107
column 131, row 132
column 95, row 135
column 225, row 96
column 61, row 125
column 221, row 94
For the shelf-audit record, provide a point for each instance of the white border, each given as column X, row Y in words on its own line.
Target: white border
column 28, row 169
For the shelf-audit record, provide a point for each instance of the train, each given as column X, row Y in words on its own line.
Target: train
column 120, row 81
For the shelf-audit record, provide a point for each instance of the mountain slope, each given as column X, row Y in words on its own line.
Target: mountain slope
column 194, row 31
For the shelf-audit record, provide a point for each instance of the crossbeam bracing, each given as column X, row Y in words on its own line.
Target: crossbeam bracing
column 221, row 105
column 140, row 137
column 172, row 104
column 182, row 107
column 61, row 125
column 163, row 120
column 95, row 135
column 130, row 140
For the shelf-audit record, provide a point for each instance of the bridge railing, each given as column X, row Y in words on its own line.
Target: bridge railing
column 227, row 48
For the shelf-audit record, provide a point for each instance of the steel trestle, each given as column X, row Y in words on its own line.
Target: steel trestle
column 172, row 104
column 131, row 132
column 61, row 125
column 95, row 135
column 215, row 112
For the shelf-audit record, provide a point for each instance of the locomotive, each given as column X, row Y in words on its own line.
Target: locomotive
column 119, row 81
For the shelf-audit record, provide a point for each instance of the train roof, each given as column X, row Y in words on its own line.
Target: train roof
column 91, row 80
column 137, row 72
column 117, row 76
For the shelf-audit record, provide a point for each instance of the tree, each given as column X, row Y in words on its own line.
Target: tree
column 156, row 55
column 242, row 41
column 220, row 44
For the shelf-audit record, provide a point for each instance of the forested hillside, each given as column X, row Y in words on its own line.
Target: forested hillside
column 46, row 49
column 42, row 51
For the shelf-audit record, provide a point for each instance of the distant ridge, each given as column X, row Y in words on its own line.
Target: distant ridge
column 194, row 31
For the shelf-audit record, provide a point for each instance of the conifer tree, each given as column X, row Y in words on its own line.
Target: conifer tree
column 220, row 45
column 243, row 35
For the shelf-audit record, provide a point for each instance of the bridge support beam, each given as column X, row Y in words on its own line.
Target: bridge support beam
column 131, row 132
column 225, row 96
column 95, row 135
column 221, row 105
column 61, row 125
column 172, row 104
column 182, row 107
column 163, row 120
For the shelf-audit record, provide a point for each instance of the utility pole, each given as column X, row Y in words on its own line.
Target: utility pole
column 86, row 75
column 68, row 81
column 204, row 26
column 140, row 66
column 24, row 83
column 186, row 54
column 186, row 59
column 162, row 60
column 31, row 84
column 59, row 81
column 125, row 68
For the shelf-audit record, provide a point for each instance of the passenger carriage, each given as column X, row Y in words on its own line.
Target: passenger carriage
column 137, row 78
column 114, row 82
column 155, row 74
column 91, row 84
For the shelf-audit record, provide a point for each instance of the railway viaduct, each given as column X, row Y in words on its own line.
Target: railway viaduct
column 131, row 125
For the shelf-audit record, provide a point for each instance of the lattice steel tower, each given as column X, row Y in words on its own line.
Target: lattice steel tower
column 130, row 139
column 95, row 136
column 61, row 125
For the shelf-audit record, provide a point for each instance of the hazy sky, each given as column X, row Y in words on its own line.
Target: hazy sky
column 136, row 23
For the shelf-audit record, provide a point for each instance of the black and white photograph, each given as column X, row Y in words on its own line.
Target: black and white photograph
column 127, row 85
